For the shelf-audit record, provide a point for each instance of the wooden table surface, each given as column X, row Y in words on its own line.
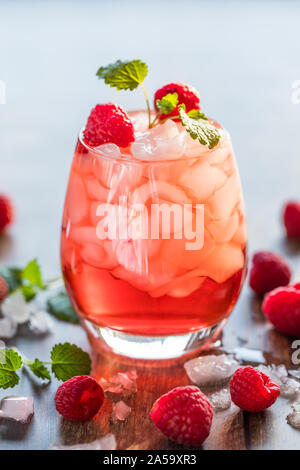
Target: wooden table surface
column 243, row 57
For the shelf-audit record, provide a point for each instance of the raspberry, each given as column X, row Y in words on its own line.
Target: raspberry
column 79, row 398
column 291, row 219
column 186, row 94
column 282, row 308
column 6, row 212
column 108, row 123
column 3, row 289
column 268, row 272
column 297, row 286
column 253, row 391
column 184, row 415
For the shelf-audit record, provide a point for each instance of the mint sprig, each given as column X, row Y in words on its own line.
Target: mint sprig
column 28, row 279
column 124, row 75
column 9, row 364
column 168, row 103
column 199, row 127
column 60, row 307
column 67, row 360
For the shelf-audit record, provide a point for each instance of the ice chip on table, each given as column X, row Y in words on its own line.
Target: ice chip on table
column 120, row 411
column 8, row 328
column 220, row 400
column 294, row 417
column 123, row 384
column 288, row 387
column 212, row 369
column 19, row 409
column 16, row 308
column 163, row 142
column 295, row 373
column 39, row 322
column 109, row 150
column 107, row 442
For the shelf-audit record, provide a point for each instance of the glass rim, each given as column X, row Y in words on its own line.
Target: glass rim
column 125, row 160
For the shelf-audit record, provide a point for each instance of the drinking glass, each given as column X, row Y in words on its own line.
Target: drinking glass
column 154, row 252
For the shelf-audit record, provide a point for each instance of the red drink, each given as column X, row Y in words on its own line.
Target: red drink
column 162, row 285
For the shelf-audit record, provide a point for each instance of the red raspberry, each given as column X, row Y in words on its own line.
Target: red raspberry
column 297, row 286
column 79, row 398
column 282, row 308
column 186, row 94
column 3, row 289
column 268, row 272
column 291, row 218
column 6, row 212
column 253, row 391
column 184, row 415
column 108, row 123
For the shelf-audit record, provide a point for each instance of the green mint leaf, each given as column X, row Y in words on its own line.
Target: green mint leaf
column 28, row 292
column 9, row 364
column 167, row 103
column 199, row 128
column 124, row 75
column 60, row 306
column 69, row 360
column 32, row 274
column 12, row 276
column 38, row 369
column 196, row 114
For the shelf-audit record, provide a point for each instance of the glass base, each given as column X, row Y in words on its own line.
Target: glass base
column 152, row 348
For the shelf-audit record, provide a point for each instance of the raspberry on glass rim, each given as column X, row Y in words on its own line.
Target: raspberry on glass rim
column 187, row 95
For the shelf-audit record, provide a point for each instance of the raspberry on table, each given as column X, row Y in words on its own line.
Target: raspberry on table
column 108, row 123
column 282, row 308
column 186, row 94
column 3, row 289
column 252, row 390
column 6, row 212
column 184, row 415
column 79, row 398
column 291, row 219
column 268, row 271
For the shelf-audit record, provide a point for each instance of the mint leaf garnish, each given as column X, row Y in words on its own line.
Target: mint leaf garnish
column 124, row 75
column 199, row 128
column 32, row 274
column 38, row 369
column 167, row 103
column 28, row 292
column 60, row 306
column 12, row 276
column 8, row 368
column 196, row 114
column 68, row 360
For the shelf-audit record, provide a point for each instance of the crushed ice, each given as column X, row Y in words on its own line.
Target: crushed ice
column 212, row 369
column 294, row 417
column 107, row 442
column 16, row 311
column 120, row 411
column 16, row 408
column 163, row 142
column 220, row 400
column 122, row 385
column 289, row 387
